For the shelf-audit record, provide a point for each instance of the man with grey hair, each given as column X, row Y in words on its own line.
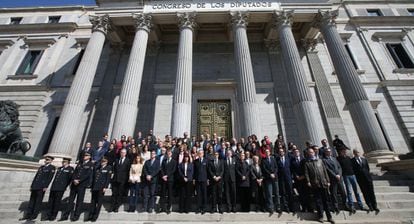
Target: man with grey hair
column 120, row 179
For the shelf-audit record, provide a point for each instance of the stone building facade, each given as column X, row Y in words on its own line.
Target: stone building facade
column 305, row 69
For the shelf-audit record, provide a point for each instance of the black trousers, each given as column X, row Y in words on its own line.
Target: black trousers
column 304, row 193
column 167, row 194
column 257, row 195
column 96, row 203
column 55, row 200
column 321, row 197
column 186, row 192
column 79, row 193
column 367, row 188
column 149, row 195
column 333, row 188
column 201, row 187
column 216, row 195
column 118, row 192
column 35, row 203
column 286, row 194
column 230, row 192
column 244, row 195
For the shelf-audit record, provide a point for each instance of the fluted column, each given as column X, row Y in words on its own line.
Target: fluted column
column 245, row 83
column 67, row 130
column 126, row 114
column 181, row 114
column 362, row 114
column 303, row 105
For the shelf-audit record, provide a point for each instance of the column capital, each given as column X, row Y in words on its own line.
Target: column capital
column 142, row 21
column 100, row 23
column 187, row 20
column 282, row 18
column 239, row 19
column 323, row 18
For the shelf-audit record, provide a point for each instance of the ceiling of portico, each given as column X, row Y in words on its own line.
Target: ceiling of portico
column 212, row 27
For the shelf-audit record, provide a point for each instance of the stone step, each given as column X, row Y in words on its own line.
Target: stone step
column 8, row 221
column 386, row 214
column 402, row 182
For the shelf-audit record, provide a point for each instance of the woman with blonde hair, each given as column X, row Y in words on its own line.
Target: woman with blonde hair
column 135, row 181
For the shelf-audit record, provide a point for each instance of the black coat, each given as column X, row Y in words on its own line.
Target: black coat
column 62, row 179
column 151, row 170
column 333, row 168
column 43, row 177
column 214, row 170
column 243, row 169
column 181, row 172
column 200, row 170
column 269, row 168
column 361, row 171
column 102, row 177
column 169, row 169
column 297, row 168
column 84, row 173
column 230, row 170
column 121, row 171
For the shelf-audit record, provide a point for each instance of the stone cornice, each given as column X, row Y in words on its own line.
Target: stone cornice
column 39, row 28
column 383, row 20
column 47, row 8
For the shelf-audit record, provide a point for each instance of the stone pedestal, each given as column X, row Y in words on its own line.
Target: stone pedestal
column 67, row 130
column 126, row 114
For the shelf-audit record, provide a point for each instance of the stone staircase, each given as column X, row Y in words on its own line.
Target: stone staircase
column 393, row 190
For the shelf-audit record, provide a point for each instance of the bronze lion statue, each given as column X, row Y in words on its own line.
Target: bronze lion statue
column 11, row 139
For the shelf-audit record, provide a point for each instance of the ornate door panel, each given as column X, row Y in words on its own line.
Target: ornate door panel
column 214, row 117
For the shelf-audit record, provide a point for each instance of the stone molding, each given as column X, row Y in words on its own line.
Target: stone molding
column 142, row 21
column 187, row 20
column 239, row 19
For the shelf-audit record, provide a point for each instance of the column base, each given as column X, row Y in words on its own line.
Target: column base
column 381, row 156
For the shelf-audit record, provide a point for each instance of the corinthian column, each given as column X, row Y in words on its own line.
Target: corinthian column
column 64, row 142
column 127, row 110
column 303, row 105
column 181, row 114
column 245, row 83
column 362, row 114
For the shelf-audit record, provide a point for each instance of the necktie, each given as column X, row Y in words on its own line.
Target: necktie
column 216, row 163
column 359, row 161
column 185, row 169
column 283, row 161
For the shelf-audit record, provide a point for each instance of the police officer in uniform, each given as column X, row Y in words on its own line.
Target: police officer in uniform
column 38, row 188
column 60, row 183
column 81, row 180
column 102, row 177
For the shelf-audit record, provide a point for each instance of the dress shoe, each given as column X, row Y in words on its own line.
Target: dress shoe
column 51, row 218
column 220, row 211
column 168, row 211
column 74, row 218
column 331, row 221
column 202, row 212
column 63, row 218
column 320, row 220
column 376, row 210
column 115, row 210
column 278, row 210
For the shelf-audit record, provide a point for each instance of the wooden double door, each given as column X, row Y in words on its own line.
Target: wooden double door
column 214, row 116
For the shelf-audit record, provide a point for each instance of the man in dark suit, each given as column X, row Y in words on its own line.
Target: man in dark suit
column 120, row 179
column 297, row 170
column 81, row 180
column 200, row 181
column 229, row 177
column 60, row 183
column 102, row 177
column 215, row 173
column 38, row 188
column 269, row 169
column 364, row 179
column 150, row 173
column 167, row 180
column 335, row 177
column 285, row 180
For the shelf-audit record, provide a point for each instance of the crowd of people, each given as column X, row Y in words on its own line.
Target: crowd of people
column 219, row 173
